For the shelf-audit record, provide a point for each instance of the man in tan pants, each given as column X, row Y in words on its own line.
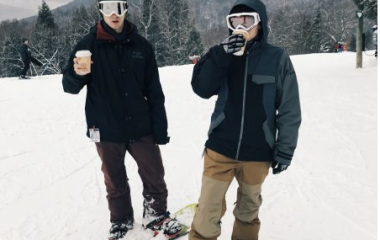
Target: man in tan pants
column 254, row 125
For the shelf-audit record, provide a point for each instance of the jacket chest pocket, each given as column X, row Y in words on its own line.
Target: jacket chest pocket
column 263, row 79
column 266, row 84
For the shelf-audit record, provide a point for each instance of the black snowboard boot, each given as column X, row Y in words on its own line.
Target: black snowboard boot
column 120, row 228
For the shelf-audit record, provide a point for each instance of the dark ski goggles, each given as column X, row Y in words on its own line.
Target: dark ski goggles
column 245, row 21
column 107, row 8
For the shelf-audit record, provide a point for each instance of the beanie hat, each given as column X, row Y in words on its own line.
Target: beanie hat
column 241, row 8
column 111, row 0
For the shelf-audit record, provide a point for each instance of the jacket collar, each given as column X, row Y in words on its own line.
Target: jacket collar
column 107, row 34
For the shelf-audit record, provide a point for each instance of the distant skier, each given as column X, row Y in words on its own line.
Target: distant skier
column 26, row 57
column 374, row 38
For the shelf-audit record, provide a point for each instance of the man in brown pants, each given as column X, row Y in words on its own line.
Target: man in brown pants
column 125, row 111
column 254, row 125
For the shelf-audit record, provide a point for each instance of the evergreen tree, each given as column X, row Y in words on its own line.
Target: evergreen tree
column 317, row 32
column 188, row 36
column 45, row 39
column 175, row 28
column 194, row 43
column 45, row 18
column 304, row 38
column 320, row 42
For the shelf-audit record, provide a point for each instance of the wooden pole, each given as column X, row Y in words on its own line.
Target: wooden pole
column 359, row 39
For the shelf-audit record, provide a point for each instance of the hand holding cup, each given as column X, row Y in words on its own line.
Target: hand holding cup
column 235, row 44
column 82, row 62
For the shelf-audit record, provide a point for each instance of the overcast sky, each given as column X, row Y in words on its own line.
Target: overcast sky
column 33, row 4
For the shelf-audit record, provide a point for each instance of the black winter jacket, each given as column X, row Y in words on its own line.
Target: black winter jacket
column 124, row 95
column 24, row 52
column 257, row 114
column 26, row 55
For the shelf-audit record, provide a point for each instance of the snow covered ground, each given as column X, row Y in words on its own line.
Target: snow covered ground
column 51, row 186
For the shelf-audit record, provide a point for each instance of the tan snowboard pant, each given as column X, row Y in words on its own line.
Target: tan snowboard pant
column 218, row 174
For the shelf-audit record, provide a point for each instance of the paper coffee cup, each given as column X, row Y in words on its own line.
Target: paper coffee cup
column 84, row 57
column 245, row 35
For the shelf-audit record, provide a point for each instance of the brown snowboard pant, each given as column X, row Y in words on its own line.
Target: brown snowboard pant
column 150, row 168
column 219, row 171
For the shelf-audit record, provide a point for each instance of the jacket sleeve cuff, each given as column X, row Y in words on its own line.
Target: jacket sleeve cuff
column 73, row 84
column 282, row 157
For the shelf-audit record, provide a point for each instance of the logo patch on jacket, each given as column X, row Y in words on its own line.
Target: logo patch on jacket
column 137, row 55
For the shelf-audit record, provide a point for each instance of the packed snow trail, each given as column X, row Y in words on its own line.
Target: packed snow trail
column 52, row 188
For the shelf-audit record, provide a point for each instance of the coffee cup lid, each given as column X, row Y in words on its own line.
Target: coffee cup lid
column 83, row 53
column 241, row 31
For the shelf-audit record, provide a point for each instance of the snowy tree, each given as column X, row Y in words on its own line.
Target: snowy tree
column 78, row 26
column 319, row 41
column 168, row 27
column 310, row 26
column 339, row 19
column 370, row 9
column 281, row 25
column 176, row 31
column 10, row 59
column 45, row 18
column 147, row 21
column 194, row 43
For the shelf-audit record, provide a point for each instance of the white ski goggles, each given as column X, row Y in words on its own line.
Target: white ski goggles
column 245, row 21
column 108, row 8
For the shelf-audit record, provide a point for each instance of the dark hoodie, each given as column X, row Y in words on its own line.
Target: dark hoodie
column 257, row 114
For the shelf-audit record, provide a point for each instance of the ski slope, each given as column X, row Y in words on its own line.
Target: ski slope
column 51, row 185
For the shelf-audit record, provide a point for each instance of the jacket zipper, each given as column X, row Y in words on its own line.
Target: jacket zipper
column 243, row 110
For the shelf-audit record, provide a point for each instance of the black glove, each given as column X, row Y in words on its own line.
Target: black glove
column 278, row 167
column 233, row 43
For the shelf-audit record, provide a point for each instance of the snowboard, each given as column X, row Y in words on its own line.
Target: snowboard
column 184, row 216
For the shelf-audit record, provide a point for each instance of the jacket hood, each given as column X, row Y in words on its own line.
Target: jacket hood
column 260, row 8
